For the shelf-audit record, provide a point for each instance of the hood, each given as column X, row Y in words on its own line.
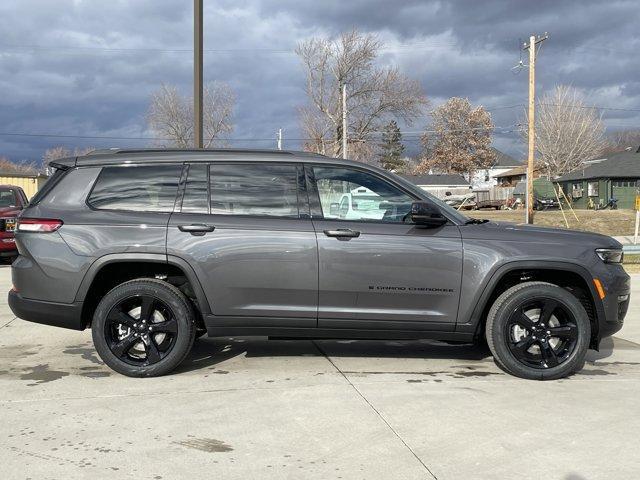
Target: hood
column 536, row 234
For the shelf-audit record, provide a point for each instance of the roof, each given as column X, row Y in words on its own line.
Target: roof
column 21, row 174
column 503, row 160
column 521, row 170
column 618, row 165
column 437, row 179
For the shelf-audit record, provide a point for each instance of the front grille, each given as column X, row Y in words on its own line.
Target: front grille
column 623, row 306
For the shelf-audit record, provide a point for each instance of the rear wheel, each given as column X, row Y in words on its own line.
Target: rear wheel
column 537, row 330
column 143, row 328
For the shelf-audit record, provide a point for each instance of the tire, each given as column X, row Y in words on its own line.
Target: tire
column 143, row 328
column 548, row 346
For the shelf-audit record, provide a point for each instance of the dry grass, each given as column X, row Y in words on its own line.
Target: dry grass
column 607, row 222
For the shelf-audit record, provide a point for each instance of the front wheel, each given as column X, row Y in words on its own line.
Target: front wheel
column 143, row 328
column 538, row 331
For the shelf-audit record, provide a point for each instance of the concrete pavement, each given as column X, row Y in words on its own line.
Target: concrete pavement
column 253, row 408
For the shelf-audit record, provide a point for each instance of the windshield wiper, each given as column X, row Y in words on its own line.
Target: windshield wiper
column 476, row 221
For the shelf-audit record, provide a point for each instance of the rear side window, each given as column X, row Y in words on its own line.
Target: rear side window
column 195, row 198
column 51, row 182
column 254, row 189
column 139, row 189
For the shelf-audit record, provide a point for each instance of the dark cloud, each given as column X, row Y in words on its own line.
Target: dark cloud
column 74, row 67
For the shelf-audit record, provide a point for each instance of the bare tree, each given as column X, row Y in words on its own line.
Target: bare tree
column 374, row 95
column 170, row 115
column 621, row 141
column 568, row 131
column 60, row 151
column 458, row 140
column 7, row 166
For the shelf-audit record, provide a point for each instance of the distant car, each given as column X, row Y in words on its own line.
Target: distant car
column 12, row 201
column 543, row 203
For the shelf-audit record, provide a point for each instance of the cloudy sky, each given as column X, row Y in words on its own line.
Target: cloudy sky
column 86, row 68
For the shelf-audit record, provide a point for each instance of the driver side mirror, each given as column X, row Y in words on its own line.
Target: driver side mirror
column 426, row 214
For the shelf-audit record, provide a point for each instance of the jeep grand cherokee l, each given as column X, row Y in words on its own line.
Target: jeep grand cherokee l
column 152, row 248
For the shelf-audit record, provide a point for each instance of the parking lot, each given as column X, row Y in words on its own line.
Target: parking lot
column 253, row 408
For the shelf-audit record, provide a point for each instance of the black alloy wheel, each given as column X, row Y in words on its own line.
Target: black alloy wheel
column 539, row 331
column 141, row 330
column 144, row 328
column 542, row 333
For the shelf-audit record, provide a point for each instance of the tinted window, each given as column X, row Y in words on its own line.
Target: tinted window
column 254, row 189
column 347, row 194
column 195, row 199
column 140, row 189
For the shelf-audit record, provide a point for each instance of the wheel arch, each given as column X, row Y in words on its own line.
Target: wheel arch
column 95, row 282
column 572, row 276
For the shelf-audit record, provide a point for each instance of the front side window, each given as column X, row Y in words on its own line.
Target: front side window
column 370, row 197
column 137, row 188
column 254, row 189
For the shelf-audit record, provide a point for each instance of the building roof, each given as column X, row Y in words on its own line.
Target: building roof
column 521, row 170
column 437, row 179
column 21, row 174
column 618, row 165
column 503, row 160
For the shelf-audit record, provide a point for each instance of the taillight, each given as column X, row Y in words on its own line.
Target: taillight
column 38, row 225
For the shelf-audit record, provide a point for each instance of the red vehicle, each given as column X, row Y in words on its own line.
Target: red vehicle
column 12, row 201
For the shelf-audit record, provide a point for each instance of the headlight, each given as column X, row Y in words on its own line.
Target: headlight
column 610, row 255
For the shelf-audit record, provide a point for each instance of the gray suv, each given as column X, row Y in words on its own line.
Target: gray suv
column 152, row 248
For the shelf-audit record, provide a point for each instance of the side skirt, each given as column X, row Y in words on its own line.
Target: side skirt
column 214, row 329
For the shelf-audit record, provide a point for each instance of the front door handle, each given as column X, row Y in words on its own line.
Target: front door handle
column 342, row 233
column 197, row 229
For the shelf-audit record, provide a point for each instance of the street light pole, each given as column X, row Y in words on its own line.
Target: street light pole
column 197, row 74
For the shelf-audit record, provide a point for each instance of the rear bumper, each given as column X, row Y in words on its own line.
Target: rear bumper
column 65, row 315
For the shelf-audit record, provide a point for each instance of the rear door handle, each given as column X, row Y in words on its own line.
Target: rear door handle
column 342, row 233
column 196, row 228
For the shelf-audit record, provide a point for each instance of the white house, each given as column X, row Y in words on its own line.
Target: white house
column 485, row 179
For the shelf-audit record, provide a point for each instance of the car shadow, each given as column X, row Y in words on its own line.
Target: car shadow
column 208, row 352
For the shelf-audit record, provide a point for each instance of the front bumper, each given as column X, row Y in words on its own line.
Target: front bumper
column 65, row 315
column 616, row 302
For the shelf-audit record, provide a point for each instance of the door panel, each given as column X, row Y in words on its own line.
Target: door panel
column 390, row 276
column 257, row 260
column 376, row 271
column 252, row 267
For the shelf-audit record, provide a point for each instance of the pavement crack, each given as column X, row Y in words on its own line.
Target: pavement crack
column 14, row 318
column 377, row 412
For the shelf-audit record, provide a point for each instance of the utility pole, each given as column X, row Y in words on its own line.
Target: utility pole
column 344, row 121
column 197, row 73
column 279, row 137
column 531, row 46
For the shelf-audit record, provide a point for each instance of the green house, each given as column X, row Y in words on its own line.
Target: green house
column 616, row 176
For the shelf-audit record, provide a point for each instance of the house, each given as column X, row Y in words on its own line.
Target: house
column 486, row 178
column 29, row 182
column 601, row 179
column 511, row 177
column 440, row 184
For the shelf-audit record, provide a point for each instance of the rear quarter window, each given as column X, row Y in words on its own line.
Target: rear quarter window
column 149, row 188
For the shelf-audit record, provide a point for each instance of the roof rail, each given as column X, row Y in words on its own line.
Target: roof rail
column 186, row 150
